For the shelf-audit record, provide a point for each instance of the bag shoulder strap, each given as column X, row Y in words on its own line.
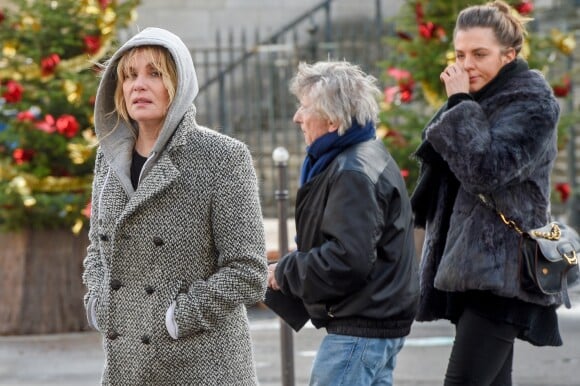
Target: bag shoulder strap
column 509, row 222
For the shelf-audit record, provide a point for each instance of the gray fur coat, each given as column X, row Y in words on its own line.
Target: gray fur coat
column 504, row 147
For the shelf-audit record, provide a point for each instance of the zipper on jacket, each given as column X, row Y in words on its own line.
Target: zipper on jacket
column 151, row 156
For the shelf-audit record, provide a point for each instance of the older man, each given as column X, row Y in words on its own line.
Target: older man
column 354, row 269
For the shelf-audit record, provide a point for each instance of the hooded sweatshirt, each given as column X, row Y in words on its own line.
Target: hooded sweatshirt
column 117, row 143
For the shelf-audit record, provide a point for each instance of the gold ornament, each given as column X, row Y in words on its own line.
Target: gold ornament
column 79, row 153
column 72, row 90
column 84, row 61
column 431, row 96
column 78, row 226
column 565, row 43
column 107, row 21
column 385, row 106
column 526, row 50
column 450, row 57
column 25, row 184
column 9, row 49
column 382, row 130
column 20, row 185
column 90, row 7
column 89, row 136
column 29, row 22
column 52, row 184
column 132, row 17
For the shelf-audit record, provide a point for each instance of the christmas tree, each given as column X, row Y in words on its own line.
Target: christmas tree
column 423, row 47
column 48, row 79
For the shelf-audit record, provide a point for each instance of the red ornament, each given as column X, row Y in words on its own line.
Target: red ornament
column 427, row 30
column 48, row 125
column 524, row 7
column 104, row 3
column 440, row 33
column 2, row 16
column 48, row 64
column 67, row 125
column 563, row 89
column 398, row 74
column 406, row 94
column 405, row 82
column 13, row 93
column 390, row 93
column 430, row 30
column 87, row 210
column 92, row 44
column 396, row 138
column 22, row 156
column 404, row 35
column 564, row 189
column 25, row 116
column 419, row 14
column 405, row 173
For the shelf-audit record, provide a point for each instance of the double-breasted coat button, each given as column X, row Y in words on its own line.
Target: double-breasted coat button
column 116, row 284
column 112, row 335
column 149, row 289
column 145, row 339
column 104, row 237
column 158, row 241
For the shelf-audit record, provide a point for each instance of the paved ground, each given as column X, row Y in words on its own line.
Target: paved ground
column 76, row 359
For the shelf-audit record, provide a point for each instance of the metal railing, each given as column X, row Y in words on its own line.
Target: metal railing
column 244, row 85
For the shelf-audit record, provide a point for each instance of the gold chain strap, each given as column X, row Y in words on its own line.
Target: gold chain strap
column 554, row 233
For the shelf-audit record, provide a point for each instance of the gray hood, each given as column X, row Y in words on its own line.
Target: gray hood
column 117, row 145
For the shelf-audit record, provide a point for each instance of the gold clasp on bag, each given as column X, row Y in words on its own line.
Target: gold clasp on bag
column 554, row 234
column 571, row 259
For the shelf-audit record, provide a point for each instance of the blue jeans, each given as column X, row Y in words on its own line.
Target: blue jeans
column 350, row 360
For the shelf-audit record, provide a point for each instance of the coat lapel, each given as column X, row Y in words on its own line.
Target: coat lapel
column 162, row 174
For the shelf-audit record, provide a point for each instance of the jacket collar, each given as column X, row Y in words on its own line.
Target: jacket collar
column 120, row 150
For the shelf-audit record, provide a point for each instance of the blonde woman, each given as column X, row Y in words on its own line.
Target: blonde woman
column 176, row 237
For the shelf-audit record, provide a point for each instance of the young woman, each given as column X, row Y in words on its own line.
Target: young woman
column 494, row 138
column 176, row 238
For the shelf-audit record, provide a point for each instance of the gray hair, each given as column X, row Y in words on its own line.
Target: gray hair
column 339, row 91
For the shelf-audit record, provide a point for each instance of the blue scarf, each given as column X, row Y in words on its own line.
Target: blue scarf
column 325, row 149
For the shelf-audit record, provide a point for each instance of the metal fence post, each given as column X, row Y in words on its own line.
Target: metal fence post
column 280, row 156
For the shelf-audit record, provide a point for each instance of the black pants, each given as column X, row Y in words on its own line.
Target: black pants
column 482, row 354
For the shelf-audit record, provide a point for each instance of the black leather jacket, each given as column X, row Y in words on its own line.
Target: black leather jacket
column 355, row 267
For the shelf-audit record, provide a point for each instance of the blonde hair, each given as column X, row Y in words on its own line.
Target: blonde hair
column 506, row 23
column 160, row 59
column 339, row 91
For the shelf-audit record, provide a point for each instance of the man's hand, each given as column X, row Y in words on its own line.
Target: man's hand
column 272, row 283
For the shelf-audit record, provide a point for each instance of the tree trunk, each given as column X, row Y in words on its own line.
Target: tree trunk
column 41, row 288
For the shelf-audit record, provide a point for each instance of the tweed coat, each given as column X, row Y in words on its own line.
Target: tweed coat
column 504, row 147
column 190, row 237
